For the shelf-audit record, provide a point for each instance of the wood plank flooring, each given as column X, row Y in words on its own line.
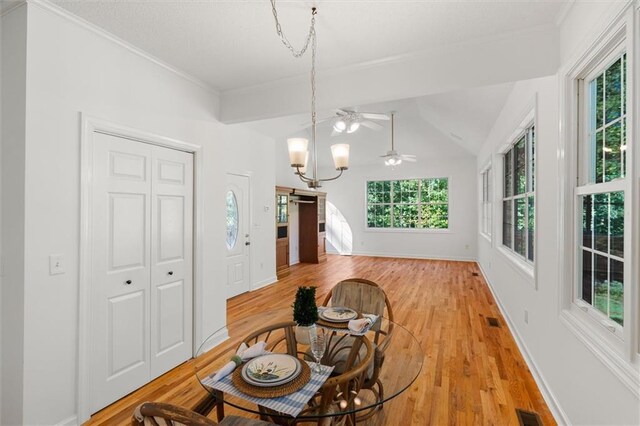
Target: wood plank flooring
column 473, row 373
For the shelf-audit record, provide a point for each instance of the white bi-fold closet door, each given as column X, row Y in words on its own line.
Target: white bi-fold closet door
column 142, row 268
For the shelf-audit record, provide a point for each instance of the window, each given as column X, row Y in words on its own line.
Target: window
column 409, row 203
column 486, row 208
column 518, row 201
column 232, row 220
column 601, row 191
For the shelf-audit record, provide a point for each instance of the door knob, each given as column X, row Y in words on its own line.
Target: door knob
column 128, row 282
column 170, row 272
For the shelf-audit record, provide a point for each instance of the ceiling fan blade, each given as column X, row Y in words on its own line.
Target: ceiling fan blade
column 409, row 155
column 386, row 155
column 371, row 125
column 374, row 116
column 341, row 112
column 409, row 159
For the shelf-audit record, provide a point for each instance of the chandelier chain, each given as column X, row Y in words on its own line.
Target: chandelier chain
column 310, row 40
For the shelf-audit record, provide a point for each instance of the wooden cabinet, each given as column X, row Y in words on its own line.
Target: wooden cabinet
column 282, row 231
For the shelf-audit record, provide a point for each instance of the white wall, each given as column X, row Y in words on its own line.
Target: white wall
column 12, row 176
column 255, row 156
column 459, row 243
column 71, row 69
column 575, row 381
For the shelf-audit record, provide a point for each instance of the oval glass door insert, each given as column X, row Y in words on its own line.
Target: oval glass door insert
column 232, row 220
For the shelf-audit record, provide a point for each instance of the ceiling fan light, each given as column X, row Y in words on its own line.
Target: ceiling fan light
column 297, row 151
column 353, row 126
column 340, row 126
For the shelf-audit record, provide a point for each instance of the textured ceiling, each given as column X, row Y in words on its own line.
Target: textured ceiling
column 233, row 44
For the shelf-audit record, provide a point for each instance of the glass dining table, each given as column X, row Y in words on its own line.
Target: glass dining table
column 392, row 355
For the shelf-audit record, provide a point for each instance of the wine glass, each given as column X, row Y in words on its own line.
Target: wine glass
column 317, row 338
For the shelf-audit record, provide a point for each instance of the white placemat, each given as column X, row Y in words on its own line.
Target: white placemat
column 291, row 404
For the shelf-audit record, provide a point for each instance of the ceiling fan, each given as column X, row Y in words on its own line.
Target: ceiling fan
column 349, row 121
column 392, row 158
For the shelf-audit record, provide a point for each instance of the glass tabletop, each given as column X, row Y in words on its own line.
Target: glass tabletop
column 392, row 355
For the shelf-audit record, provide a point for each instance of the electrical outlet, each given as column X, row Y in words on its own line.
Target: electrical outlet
column 56, row 264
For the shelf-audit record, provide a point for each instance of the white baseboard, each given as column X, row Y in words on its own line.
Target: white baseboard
column 71, row 421
column 213, row 341
column 549, row 397
column 263, row 283
column 413, row 256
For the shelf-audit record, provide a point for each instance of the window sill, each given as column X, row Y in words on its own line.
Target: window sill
column 609, row 349
column 525, row 269
column 409, row 230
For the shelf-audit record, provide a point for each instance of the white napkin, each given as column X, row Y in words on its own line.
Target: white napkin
column 244, row 353
column 360, row 325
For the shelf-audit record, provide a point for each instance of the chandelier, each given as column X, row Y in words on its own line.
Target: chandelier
column 299, row 147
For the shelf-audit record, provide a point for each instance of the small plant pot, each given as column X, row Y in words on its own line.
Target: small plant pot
column 302, row 333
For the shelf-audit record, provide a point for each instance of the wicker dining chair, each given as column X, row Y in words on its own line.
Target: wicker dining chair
column 161, row 414
column 337, row 390
column 368, row 297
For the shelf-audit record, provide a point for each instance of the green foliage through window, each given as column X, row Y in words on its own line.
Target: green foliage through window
column 518, row 201
column 408, row 203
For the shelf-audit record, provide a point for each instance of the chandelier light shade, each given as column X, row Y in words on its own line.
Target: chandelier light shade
column 340, row 153
column 299, row 147
column 298, row 151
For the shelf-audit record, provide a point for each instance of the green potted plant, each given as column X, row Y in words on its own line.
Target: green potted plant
column 305, row 312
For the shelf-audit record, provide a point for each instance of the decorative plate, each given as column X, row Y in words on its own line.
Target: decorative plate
column 271, row 370
column 338, row 314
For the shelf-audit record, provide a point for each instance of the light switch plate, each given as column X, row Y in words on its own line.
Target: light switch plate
column 56, row 264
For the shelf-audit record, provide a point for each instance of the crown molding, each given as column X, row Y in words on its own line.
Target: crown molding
column 63, row 13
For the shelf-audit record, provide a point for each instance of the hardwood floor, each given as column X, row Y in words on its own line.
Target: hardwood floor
column 473, row 373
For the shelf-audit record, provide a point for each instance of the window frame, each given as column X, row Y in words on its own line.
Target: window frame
column 526, row 268
column 620, row 352
column 404, row 230
column 486, row 194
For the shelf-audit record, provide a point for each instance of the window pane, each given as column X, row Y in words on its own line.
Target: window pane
column 587, row 221
column 587, row 276
column 616, row 292
column 435, row 190
column 617, row 224
column 405, row 191
column 623, row 147
column 598, row 160
column 507, row 223
column 371, row 216
column 612, row 154
column 371, row 192
column 599, row 118
column 601, row 287
column 405, row 216
column 519, row 245
column 613, row 91
column 435, row 216
column 532, row 157
column 508, row 174
column 520, row 166
column 601, row 222
column 383, row 216
column 531, row 228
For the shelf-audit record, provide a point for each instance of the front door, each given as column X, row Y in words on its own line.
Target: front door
column 237, row 236
column 141, row 280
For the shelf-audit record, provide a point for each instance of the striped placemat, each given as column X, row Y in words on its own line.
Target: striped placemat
column 291, row 404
